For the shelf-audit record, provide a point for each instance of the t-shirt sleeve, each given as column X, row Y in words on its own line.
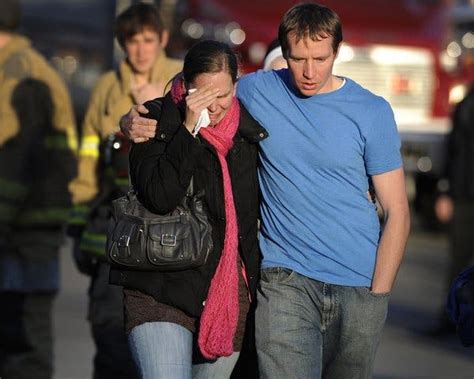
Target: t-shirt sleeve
column 382, row 150
column 245, row 89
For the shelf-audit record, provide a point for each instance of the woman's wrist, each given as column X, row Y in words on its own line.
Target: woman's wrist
column 189, row 128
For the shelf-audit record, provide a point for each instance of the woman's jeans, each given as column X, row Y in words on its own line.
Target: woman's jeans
column 309, row 329
column 164, row 350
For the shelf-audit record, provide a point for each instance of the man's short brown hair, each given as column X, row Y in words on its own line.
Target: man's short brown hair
column 310, row 20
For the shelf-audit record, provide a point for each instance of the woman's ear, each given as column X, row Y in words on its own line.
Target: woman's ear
column 186, row 86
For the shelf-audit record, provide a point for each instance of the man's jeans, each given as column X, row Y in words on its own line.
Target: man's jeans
column 309, row 329
column 164, row 350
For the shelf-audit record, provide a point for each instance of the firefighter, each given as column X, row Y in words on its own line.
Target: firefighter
column 103, row 173
column 37, row 161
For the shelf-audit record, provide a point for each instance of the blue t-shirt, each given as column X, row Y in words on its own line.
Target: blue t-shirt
column 314, row 175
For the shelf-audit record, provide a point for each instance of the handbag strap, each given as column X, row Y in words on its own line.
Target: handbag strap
column 133, row 199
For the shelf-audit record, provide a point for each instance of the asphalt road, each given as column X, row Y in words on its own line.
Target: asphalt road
column 404, row 352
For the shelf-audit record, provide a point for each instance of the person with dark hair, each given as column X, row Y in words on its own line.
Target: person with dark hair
column 37, row 161
column 328, row 267
column 207, row 135
column 136, row 19
column 103, row 174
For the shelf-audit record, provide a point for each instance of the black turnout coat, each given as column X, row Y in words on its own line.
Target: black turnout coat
column 161, row 170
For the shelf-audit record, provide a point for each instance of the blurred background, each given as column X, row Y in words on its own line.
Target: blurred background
column 418, row 54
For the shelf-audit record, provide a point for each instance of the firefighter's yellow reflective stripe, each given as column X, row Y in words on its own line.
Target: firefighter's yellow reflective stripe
column 72, row 138
column 7, row 212
column 79, row 215
column 89, row 153
column 12, row 190
column 122, row 182
column 44, row 216
column 90, row 146
column 93, row 243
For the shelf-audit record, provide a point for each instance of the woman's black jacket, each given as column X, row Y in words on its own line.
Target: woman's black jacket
column 161, row 170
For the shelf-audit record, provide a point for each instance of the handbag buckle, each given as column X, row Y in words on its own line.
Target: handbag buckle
column 124, row 240
column 168, row 240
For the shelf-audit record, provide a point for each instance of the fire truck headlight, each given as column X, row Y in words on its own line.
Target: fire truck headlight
column 457, row 93
column 468, row 40
column 192, row 29
column 449, row 58
column 448, row 63
column 237, row 36
column 453, row 49
column 424, row 164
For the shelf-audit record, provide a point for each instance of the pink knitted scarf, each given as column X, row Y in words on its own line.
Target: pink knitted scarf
column 221, row 310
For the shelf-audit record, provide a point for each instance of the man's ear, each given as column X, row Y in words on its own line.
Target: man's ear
column 164, row 38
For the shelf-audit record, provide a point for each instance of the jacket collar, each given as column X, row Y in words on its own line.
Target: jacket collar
column 17, row 43
column 125, row 72
column 249, row 128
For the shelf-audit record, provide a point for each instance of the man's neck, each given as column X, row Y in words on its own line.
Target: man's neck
column 141, row 79
column 5, row 38
column 334, row 83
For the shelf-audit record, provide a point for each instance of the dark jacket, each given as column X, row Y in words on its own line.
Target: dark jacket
column 460, row 158
column 37, row 162
column 161, row 170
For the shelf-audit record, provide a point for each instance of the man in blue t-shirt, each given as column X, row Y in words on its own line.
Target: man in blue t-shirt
column 327, row 268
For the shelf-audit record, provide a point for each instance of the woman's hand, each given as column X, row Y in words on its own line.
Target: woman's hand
column 196, row 102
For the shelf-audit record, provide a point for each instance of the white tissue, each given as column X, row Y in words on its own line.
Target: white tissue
column 203, row 120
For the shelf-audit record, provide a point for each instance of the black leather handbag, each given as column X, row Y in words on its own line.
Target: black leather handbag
column 138, row 239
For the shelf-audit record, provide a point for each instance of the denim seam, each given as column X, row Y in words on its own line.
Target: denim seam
column 326, row 307
column 336, row 306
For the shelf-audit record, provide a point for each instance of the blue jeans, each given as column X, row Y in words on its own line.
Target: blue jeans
column 164, row 350
column 309, row 329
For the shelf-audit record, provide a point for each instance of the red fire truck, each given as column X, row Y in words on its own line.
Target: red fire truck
column 403, row 50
